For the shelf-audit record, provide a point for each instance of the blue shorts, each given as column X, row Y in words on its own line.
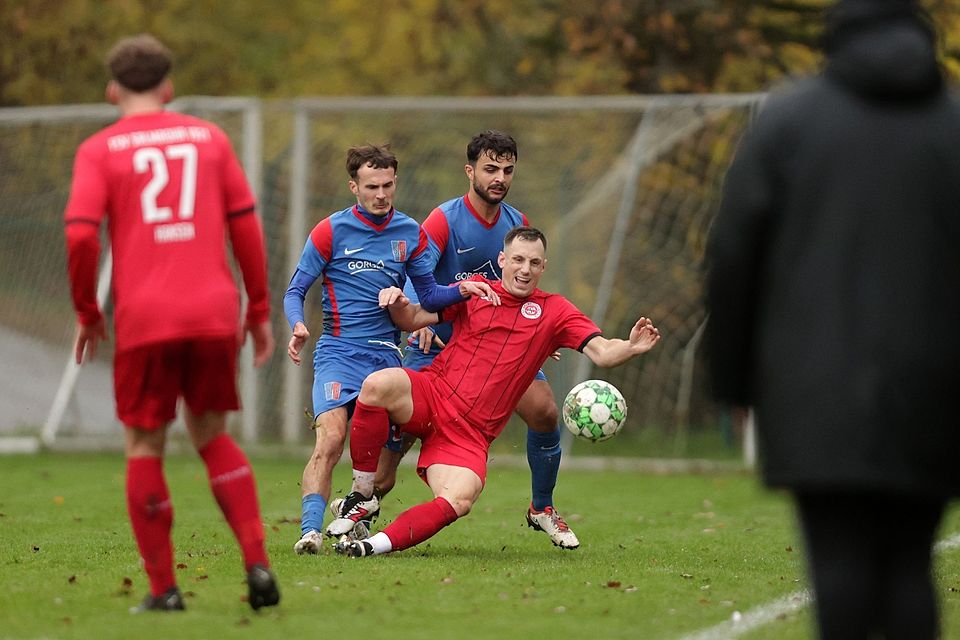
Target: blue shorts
column 340, row 366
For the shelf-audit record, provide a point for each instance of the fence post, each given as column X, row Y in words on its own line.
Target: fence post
column 296, row 229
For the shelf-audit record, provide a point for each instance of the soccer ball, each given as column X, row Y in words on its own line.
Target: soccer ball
column 594, row 410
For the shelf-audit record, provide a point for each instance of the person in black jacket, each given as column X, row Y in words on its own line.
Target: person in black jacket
column 834, row 296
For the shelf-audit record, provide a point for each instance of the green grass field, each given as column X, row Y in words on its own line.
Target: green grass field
column 661, row 557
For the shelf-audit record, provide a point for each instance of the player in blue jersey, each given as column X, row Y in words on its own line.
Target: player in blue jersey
column 465, row 237
column 355, row 253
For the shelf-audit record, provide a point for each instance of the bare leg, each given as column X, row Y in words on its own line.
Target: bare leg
column 386, row 477
column 539, row 410
column 331, row 432
column 455, row 491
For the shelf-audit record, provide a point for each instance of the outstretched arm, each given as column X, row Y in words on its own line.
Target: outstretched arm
column 406, row 316
column 614, row 352
column 434, row 297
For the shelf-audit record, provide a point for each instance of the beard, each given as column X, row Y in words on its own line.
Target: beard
column 488, row 197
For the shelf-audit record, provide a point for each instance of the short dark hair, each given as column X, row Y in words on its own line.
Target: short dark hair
column 139, row 63
column 377, row 156
column 496, row 143
column 529, row 234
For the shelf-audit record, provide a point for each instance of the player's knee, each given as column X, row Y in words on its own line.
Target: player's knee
column 376, row 388
column 328, row 449
column 543, row 418
column 461, row 505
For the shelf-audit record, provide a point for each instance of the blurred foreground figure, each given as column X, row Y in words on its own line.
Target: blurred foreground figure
column 172, row 191
column 834, row 312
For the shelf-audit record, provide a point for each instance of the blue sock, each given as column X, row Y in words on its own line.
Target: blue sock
column 311, row 519
column 543, row 456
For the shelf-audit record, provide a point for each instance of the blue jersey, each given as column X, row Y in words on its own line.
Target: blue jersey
column 461, row 244
column 356, row 258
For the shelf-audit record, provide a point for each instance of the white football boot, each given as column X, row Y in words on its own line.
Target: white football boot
column 309, row 543
column 353, row 509
column 553, row 524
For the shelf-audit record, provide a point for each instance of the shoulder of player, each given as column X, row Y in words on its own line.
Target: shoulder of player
column 554, row 298
column 338, row 217
column 450, row 205
column 551, row 301
column 402, row 220
column 512, row 212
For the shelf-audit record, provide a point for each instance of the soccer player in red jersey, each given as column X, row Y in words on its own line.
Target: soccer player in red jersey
column 459, row 404
column 172, row 190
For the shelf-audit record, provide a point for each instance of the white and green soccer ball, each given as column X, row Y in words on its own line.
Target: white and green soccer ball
column 594, row 410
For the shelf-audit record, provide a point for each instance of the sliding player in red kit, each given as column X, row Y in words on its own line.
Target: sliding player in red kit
column 460, row 403
column 172, row 191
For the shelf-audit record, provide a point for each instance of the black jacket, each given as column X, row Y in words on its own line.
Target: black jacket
column 834, row 270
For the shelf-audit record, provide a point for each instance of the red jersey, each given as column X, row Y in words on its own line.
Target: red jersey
column 495, row 352
column 171, row 188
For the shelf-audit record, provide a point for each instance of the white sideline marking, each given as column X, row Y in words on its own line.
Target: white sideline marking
column 754, row 618
column 767, row 613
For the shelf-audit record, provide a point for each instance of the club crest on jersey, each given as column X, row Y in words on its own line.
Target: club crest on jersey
column 531, row 310
column 331, row 390
column 399, row 250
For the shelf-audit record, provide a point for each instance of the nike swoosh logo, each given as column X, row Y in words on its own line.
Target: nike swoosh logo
column 350, row 252
column 465, row 250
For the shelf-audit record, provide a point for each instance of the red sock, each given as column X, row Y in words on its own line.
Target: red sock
column 418, row 523
column 151, row 516
column 231, row 480
column 369, row 431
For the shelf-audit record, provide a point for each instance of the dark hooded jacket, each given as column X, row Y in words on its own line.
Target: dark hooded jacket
column 834, row 266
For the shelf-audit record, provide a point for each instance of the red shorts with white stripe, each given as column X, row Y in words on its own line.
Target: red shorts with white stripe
column 446, row 437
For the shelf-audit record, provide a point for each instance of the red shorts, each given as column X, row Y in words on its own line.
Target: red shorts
column 148, row 380
column 446, row 438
